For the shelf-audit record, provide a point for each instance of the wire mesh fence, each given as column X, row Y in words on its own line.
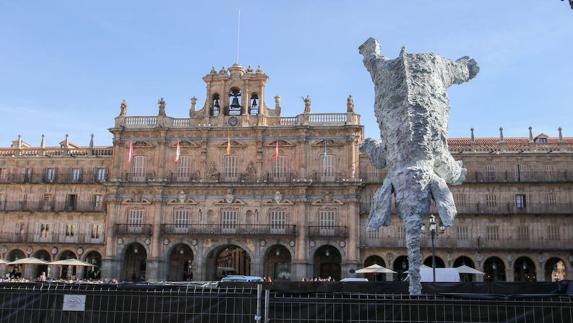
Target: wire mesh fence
column 343, row 307
column 260, row 303
column 46, row 303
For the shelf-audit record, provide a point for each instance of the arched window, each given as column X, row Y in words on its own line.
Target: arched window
column 235, row 108
column 254, row 104
column 215, row 105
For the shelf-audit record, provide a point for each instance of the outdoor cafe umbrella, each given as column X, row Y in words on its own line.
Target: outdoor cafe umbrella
column 71, row 262
column 28, row 261
column 468, row 270
column 2, row 262
column 375, row 269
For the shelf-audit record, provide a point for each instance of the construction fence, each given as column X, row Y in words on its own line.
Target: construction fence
column 235, row 303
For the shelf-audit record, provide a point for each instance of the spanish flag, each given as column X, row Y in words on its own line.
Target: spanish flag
column 130, row 152
column 228, row 143
column 177, row 152
column 276, row 154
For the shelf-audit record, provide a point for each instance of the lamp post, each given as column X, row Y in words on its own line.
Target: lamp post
column 433, row 226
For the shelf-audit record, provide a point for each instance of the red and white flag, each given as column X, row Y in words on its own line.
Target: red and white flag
column 130, row 152
column 177, row 152
column 276, row 154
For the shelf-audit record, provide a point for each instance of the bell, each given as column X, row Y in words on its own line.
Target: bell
column 254, row 104
column 216, row 104
column 235, row 104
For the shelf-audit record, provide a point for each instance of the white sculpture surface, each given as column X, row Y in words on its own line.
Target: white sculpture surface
column 411, row 108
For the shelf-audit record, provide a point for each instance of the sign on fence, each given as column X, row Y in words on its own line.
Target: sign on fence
column 76, row 303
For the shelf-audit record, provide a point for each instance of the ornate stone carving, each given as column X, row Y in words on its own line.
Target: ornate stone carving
column 411, row 107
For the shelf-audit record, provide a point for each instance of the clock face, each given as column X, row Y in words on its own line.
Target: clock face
column 233, row 121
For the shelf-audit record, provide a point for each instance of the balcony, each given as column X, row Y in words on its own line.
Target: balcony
column 318, row 232
column 514, row 176
column 511, row 208
column 58, row 177
column 138, row 177
column 445, row 242
column 41, row 206
column 134, row 229
column 51, row 237
column 230, row 229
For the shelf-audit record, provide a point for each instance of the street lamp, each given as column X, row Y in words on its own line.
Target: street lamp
column 433, row 225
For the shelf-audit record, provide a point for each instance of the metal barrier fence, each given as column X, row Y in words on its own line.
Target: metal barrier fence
column 344, row 307
column 257, row 303
column 81, row 303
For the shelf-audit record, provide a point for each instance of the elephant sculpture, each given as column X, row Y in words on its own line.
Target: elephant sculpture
column 411, row 108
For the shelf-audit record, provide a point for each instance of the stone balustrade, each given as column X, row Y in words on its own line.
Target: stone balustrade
column 57, row 152
column 314, row 119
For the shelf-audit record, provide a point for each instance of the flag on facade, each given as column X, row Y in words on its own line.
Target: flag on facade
column 228, row 143
column 177, row 152
column 130, row 152
column 276, row 154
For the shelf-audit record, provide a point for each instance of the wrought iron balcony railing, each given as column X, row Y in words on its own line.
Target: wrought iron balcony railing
column 318, row 231
column 59, row 176
column 480, row 243
column 135, row 229
column 230, row 229
column 51, row 237
column 514, row 176
column 558, row 176
column 42, row 206
column 139, row 177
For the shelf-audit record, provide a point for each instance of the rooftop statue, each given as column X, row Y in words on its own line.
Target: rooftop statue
column 411, row 107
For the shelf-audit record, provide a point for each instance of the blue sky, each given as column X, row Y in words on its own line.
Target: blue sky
column 65, row 66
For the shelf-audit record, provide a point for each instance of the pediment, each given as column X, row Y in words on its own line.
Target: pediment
column 182, row 202
column 327, row 143
column 234, row 202
column 327, row 200
column 325, row 203
column 142, row 144
column 134, row 202
column 234, row 144
column 282, row 144
column 185, row 144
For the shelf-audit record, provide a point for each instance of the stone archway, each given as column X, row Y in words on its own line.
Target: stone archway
column 327, row 263
column 39, row 269
column 67, row 272
column 94, row 258
column 439, row 262
column 494, row 269
column 134, row 262
column 555, row 269
column 227, row 260
column 401, row 266
column 13, row 255
column 180, row 266
column 278, row 263
column 465, row 261
column 375, row 260
column 524, row 270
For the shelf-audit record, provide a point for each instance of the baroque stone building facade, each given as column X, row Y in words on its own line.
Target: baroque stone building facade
column 238, row 188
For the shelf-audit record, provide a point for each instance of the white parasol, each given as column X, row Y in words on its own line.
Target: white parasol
column 375, row 269
column 468, row 270
column 71, row 262
column 28, row 261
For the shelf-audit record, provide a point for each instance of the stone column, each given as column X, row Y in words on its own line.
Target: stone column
column 154, row 258
column 540, row 271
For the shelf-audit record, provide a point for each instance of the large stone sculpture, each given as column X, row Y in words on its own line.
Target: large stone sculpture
column 411, row 108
